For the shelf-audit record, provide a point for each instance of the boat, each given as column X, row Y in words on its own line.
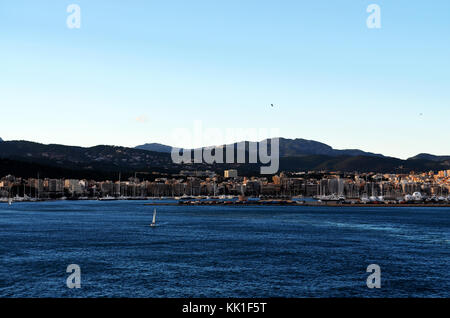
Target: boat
column 186, row 198
column 332, row 197
column 154, row 219
column 365, row 199
column 417, row 196
column 10, row 200
column 107, row 198
column 18, row 199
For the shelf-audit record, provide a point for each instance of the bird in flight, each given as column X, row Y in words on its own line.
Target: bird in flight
column 271, row 105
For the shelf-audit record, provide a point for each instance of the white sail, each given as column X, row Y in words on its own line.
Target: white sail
column 154, row 217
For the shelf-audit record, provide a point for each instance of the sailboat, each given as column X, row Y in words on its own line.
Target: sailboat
column 10, row 200
column 154, row 219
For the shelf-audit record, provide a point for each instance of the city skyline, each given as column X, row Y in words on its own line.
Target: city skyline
column 130, row 75
column 363, row 188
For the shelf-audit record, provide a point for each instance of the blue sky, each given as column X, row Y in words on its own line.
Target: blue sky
column 137, row 70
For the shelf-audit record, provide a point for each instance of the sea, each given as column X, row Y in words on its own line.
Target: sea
column 222, row 251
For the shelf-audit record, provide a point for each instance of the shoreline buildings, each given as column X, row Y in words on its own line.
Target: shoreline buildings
column 321, row 185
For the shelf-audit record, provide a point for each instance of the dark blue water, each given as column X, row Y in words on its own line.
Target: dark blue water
column 222, row 251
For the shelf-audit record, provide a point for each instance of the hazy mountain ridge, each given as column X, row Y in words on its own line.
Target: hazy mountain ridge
column 98, row 157
column 427, row 156
column 287, row 147
column 295, row 147
column 24, row 158
column 155, row 147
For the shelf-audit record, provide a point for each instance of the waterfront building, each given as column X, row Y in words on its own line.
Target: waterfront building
column 232, row 173
column 349, row 185
column 107, row 188
column 74, row 186
column 55, row 185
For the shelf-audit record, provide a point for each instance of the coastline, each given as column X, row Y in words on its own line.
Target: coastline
column 309, row 204
column 299, row 203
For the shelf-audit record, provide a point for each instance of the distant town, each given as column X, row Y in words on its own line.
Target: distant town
column 192, row 186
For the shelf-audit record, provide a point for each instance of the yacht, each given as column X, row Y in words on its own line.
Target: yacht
column 417, row 196
column 154, row 219
column 107, row 198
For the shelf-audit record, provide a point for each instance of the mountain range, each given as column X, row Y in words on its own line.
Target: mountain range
column 426, row 156
column 26, row 159
column 155, row 147
column 288, row 148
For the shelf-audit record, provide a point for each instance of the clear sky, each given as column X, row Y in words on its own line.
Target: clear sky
column 137, row 70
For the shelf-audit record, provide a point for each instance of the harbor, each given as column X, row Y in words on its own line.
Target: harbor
column 311, row 188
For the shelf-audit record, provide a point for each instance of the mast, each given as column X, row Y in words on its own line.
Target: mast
column 38, row 186
column 134, row 185
column 120, row 188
